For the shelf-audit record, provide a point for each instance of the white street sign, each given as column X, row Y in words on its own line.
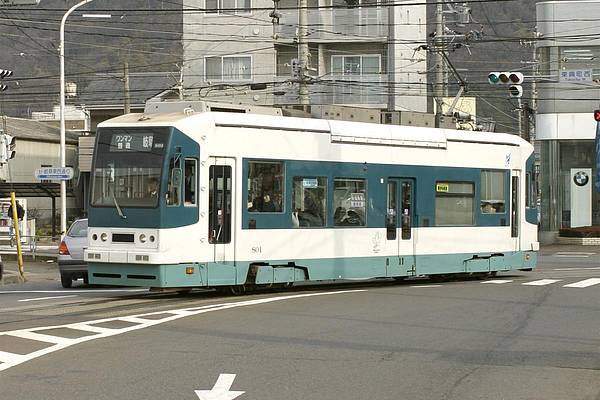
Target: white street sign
column 221, row 389
column 54, row 173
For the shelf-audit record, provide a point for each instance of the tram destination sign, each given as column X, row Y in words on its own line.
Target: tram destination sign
column 54, row 174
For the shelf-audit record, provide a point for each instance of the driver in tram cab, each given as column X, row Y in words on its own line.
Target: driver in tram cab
column 153, row 187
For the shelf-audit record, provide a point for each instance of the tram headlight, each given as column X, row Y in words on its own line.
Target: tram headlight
column 94, row 237
column 142, row 238
column 104, row 237
column 152, row 238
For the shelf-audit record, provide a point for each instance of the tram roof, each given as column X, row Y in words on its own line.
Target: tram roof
column 340, row 131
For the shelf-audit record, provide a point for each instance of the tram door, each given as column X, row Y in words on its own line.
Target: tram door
column 515, row 211
column 400, row 219
column 221, row 215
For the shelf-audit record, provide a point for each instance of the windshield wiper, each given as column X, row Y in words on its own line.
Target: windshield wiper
column 118, row 208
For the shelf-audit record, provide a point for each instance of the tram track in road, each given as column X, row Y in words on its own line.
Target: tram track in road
column 88, row 304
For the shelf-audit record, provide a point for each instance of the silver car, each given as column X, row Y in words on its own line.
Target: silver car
column 71, row 263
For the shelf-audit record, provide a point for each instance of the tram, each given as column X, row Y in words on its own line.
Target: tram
column 238, row 201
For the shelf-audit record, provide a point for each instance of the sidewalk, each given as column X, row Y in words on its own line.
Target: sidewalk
column 35, row 271
column 38, row 266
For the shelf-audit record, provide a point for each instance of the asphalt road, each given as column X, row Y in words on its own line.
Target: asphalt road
column 524, row 335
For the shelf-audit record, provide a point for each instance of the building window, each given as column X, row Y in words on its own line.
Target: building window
column 228, row 6
column 309, row 201
column 492, row 192
column 454, row 204
column 362, row 65
column 349, row 202
column 228, row 68
column 265, row 186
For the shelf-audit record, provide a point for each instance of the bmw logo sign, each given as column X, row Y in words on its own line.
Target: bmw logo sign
column 581, row 178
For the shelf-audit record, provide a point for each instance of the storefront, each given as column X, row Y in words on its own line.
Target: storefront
column 568, row 158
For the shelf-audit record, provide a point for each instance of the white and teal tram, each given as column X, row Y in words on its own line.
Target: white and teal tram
column 213, row 199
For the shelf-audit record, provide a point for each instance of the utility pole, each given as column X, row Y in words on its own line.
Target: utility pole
column 127, row 99
column 440, row 66
column 303, row 53
column 391, row 57
column 180, row 82
column 526, row 122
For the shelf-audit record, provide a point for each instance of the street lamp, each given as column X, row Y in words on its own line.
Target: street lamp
column 63, row 183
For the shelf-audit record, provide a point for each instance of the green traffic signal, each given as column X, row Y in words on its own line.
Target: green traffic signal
column 494, row 77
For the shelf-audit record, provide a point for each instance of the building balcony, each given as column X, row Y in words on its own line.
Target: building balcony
column 336, row 25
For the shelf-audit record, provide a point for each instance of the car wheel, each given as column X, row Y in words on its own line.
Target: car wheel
column 66, row 281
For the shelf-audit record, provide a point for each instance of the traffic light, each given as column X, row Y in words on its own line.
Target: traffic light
column 597, row 115
column 514, row 79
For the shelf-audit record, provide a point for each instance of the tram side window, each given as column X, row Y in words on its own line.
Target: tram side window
column 174, row 184
column 349, row 202
column 454, row 204
column 265, row 186
column 190, row 181
column 309, row 201
column 492, row 192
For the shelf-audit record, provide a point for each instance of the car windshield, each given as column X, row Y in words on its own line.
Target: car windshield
column 128, row 166
column 78, row 229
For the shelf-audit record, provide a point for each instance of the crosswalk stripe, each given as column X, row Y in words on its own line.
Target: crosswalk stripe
column 498, row 281
column 585, row 283
column 542, row 282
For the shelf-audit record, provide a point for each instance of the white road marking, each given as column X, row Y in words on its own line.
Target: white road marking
column 542, row 282
column 584, row 283
column 577, row 268
column 48, row 298
column 417, row 286
column 8, row 360
column 573, row 254
column 498, row 281
column 221, row 389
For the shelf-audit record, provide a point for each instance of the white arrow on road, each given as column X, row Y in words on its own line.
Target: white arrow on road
column 221, row 389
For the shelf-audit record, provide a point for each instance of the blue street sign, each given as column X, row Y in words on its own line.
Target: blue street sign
column 54, row 174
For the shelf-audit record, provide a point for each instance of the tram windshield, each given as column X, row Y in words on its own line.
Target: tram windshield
column 128, row 166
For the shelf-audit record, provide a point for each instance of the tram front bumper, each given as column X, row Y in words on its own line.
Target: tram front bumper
column 145, row 275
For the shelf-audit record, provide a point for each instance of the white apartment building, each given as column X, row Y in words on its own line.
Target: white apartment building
column 361, row 54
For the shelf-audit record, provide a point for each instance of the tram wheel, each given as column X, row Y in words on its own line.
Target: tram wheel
column 235, row 290
column 184, row 291
column 66, row 281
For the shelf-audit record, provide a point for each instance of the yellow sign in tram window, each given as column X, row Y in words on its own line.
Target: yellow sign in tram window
column 442, row 187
